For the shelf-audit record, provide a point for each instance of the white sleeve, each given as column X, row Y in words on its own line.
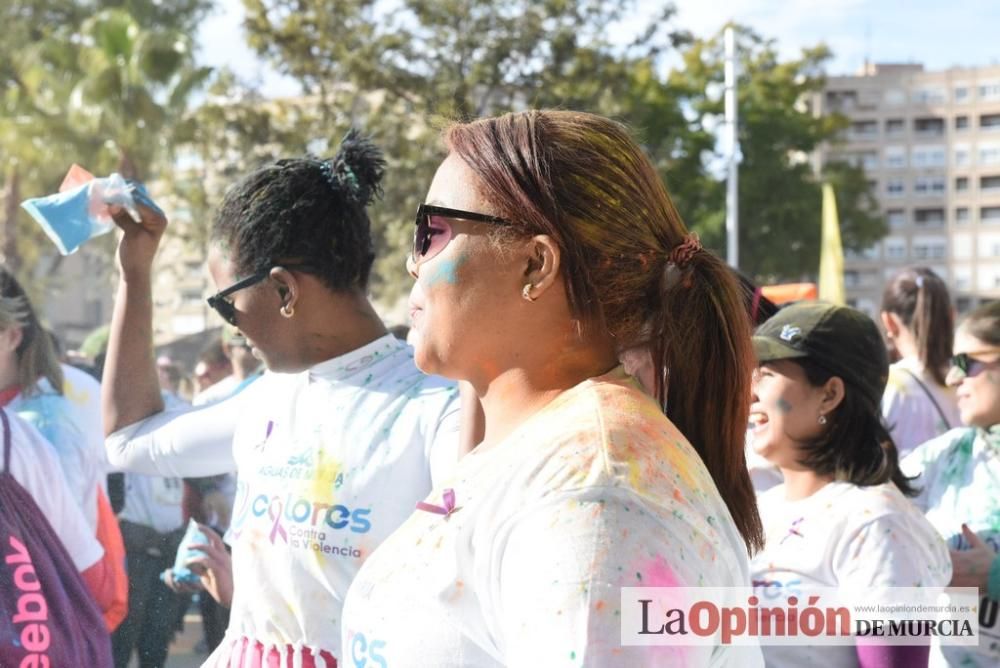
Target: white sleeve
column 564, row 608
column 185, row 443
column 34, row 465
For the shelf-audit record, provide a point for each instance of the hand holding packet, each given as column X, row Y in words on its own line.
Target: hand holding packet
column 192, row 536
column 81, row 208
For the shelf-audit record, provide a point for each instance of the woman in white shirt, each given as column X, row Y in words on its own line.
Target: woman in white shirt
column 919, row 323
column 333, row 446
column 959, row 478
column 841, row 518
column 548, row 244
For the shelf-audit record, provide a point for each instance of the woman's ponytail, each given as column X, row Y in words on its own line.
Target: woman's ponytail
column 701, row 342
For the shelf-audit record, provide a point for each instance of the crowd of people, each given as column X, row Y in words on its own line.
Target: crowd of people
column 589, row 400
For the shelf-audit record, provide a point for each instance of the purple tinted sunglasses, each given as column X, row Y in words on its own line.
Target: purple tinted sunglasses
column 434, row 232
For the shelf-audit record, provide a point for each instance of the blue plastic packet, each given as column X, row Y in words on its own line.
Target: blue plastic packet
column 192, row 536
column 73, row 216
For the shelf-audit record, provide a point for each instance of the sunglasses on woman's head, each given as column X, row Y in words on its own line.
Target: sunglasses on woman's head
column 226, row 309
column 969, row 366
column 433, row 231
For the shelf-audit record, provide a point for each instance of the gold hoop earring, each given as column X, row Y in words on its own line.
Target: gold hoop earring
column 526, row 292
column 287, row 310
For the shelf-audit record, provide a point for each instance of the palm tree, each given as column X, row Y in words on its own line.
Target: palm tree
column 135, row 84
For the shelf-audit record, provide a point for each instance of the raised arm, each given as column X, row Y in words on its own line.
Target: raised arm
column 131, row 389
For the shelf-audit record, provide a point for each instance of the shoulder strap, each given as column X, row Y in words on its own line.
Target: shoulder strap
column 6, row 440
column 930, row 396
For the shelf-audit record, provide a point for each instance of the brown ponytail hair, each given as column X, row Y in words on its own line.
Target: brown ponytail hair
column 582, row 180
column 919, row 298
column 36, row 357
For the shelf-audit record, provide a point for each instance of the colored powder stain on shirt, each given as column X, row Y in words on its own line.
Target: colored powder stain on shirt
column 658, row 573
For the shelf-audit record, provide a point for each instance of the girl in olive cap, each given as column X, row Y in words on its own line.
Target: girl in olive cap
column 841, row 518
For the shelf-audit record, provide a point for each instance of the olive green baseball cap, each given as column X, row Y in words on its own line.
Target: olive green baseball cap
column 840, row 339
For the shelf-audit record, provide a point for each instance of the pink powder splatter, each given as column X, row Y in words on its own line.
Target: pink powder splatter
column 656, row 572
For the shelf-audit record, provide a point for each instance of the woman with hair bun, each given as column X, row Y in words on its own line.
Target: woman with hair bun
column 333, row 446
column 919, row 322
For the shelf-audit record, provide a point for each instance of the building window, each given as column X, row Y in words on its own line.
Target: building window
column 895, row 249
column 929, row 96
column 989, row 122
column 929, row 126
column 895, row 157
column 961, row 183
column 928, row 217
column 894, row 97
column 989, row 183
column 962, row 215
column 841, row 100
column 926, row 251
column 928, row 156
column 989, row 154
column 989, row 90
column 895, row 126
column 929, row 185
column 864, row 129
column 961, row 94
column 896, row 217
column 961, row 155
column 989, row 214
column 961, row 122
column 851, row 279
column 895, row 188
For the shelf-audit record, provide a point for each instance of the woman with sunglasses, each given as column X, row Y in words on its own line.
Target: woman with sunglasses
column 959, row 476
column 919, row 323
column 333, row 446
column 547, row 245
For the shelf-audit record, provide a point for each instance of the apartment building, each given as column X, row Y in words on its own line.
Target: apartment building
column 930, row 143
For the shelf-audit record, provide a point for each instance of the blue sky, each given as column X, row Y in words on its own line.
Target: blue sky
column 937, row 34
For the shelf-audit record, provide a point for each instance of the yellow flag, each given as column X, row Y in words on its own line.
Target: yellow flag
column 831, row 255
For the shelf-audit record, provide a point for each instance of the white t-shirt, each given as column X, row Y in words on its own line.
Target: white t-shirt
column 959, row 482
column 35, row 465
column 844, row 536
column 596, row 491
column 64, row 424
column 329, row 462
column 909, row 412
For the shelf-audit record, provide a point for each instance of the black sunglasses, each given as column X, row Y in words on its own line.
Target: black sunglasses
column 433, row 232
column 225, row 308
column 969, row 366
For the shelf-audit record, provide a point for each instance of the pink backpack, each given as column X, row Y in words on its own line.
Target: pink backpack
column 47, row 617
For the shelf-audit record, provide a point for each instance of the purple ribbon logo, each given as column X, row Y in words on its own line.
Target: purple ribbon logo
column 276, row 528
column 448, row 496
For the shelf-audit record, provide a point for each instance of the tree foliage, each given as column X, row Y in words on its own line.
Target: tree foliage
column 779, row 190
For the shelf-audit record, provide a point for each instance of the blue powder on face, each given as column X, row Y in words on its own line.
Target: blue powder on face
column 784, row 406
column 445, row 271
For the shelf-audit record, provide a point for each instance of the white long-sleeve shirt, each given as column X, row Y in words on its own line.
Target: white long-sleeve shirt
column 329, row 462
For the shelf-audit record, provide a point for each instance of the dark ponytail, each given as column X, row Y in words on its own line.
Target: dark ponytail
column 701, row 340
column 919, row 298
